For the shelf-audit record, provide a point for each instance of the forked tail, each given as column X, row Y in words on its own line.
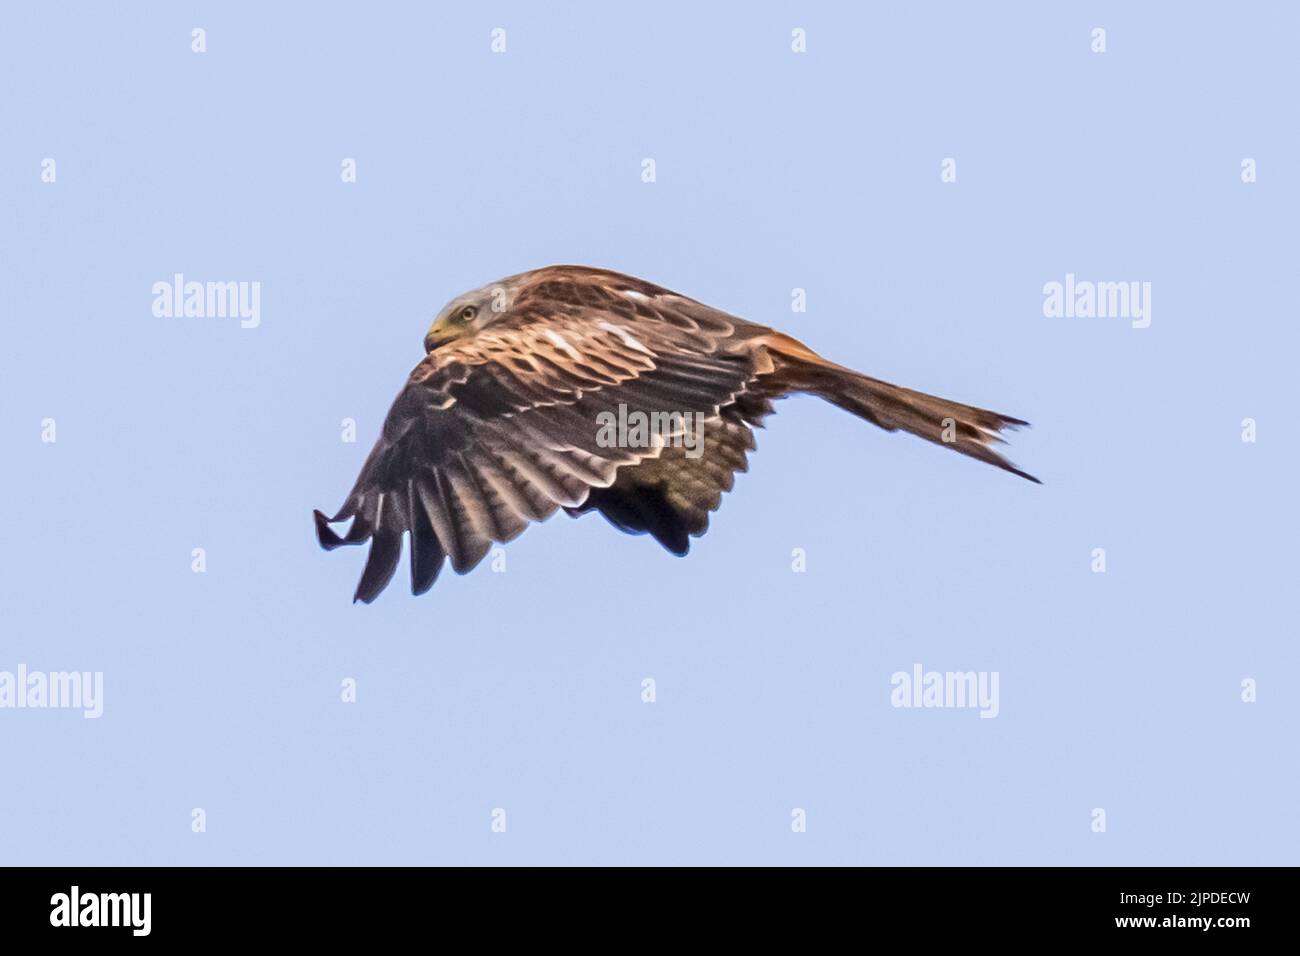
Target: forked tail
column 969, row 430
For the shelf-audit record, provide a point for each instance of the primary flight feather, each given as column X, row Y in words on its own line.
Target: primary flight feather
column 501, row 422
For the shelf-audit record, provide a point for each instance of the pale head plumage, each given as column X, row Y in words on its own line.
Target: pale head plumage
column 473, row 311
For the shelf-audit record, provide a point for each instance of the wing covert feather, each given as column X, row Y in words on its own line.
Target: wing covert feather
column 502, row 428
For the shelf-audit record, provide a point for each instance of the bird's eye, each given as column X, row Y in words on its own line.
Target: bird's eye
column 467, row 314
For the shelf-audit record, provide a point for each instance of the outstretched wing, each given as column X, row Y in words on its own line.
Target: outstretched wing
column 502, row 428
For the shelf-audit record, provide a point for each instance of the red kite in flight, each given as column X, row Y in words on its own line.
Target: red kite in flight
column 510, row 415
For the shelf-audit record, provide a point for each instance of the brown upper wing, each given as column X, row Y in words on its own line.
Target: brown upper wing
column 500, row 429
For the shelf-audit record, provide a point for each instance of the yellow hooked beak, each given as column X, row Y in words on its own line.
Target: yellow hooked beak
column 439, row 334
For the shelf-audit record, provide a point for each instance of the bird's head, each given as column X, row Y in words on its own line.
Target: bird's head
column 466, row 314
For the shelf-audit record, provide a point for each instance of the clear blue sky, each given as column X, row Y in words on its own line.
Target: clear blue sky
column 522, row 690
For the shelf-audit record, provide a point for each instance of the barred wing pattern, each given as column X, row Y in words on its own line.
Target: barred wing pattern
column 496, row 431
